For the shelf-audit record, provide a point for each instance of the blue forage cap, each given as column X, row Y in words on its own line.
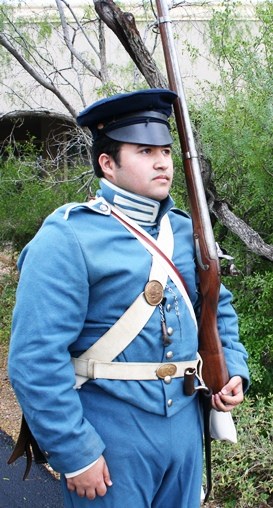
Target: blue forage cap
column 139, row 117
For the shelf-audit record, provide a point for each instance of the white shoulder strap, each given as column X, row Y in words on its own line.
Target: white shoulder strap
column 128, row 326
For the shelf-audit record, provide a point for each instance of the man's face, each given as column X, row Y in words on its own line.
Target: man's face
column 144, row 170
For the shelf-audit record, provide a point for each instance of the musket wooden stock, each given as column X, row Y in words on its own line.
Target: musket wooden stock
column 214, row 372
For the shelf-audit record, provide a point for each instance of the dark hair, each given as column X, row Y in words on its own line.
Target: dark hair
column 103, row 144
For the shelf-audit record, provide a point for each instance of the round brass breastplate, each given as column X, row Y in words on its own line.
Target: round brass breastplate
column 153, row 292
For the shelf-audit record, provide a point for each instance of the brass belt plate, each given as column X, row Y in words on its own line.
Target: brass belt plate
column 154, row 292
column 167, row 369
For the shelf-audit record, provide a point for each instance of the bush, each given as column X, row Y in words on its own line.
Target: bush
column 253, row 299
column 242, row 473
column 31, row 189
column 8, row 284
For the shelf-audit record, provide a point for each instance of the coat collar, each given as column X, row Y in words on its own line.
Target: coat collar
column 145, row 211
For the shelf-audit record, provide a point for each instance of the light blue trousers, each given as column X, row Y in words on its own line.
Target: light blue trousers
column 154, row 461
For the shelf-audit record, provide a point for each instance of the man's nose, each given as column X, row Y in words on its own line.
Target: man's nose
column 160, row 161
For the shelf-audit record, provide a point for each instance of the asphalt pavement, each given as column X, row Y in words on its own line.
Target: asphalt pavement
column 40, row 490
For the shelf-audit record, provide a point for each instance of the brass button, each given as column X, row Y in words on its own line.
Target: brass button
column 165, row 370
column 153, row 292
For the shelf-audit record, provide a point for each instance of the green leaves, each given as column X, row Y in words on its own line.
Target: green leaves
column 243, row 472
column 31, row 188
column 235, row 118
column 254, row 304
column 234, row 122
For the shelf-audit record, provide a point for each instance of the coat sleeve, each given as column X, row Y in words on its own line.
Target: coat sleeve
column 234, row 351
column 51, row 305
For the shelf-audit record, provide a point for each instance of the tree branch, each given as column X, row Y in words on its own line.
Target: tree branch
column 70, row 46
column 43, row 82
column 79, row 25
column 237, row 226
column 123, row 25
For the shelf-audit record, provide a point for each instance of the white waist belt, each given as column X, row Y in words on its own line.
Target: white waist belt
column 131, row 371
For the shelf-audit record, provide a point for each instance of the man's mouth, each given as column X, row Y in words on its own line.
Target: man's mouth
column 161, row 177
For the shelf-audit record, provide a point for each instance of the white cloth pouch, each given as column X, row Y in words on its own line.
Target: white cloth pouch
column 222, row 427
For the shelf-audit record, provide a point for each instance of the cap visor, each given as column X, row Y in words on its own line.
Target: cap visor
column 150, row 133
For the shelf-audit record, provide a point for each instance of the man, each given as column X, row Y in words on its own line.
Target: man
column 129, row 436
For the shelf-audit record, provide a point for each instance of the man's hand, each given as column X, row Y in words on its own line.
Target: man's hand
column 93, row 482
column 230, row 396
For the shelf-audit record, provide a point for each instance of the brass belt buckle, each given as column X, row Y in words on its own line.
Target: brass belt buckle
column 154, row 292
column 167, row 370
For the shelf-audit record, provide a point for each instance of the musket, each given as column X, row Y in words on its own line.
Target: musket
column 215, row 372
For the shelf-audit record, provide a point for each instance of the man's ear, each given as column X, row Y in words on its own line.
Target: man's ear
column 106, row 163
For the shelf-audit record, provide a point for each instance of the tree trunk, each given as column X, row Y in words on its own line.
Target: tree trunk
column 123, row 25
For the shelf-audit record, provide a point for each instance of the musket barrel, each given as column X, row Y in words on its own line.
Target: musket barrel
column 183, row 120
column 210, row 347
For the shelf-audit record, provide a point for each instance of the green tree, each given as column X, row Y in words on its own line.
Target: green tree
column 235, row 127
column 235, row 117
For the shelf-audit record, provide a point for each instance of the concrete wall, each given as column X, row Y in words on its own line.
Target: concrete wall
column 190, row 22
column 19, row 92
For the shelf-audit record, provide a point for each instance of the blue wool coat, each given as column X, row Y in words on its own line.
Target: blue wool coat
column 78, row 275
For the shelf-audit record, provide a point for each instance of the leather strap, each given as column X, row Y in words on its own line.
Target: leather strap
column 146, row 239
column 206, row 404
column 27, row 445
column 152, row 246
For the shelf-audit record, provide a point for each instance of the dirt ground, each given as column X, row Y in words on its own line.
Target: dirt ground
column 10, row 413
